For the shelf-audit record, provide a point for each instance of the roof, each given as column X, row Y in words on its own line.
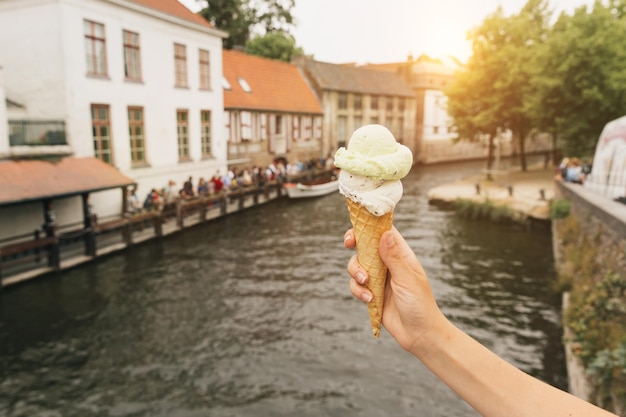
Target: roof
column 355, row 79
column 390, row 67
column 34, row 179
column 274, row 85
column 174, row 8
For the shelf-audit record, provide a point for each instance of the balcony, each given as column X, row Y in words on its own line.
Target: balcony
column 38, row 138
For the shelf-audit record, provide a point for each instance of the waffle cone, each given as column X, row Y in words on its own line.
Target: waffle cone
column 368, row 228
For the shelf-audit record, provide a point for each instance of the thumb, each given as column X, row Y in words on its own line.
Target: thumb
column 398, row 256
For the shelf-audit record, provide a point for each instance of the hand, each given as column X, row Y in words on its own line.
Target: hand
column 410, row 311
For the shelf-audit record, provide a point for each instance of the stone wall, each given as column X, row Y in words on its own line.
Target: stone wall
column 601, row 225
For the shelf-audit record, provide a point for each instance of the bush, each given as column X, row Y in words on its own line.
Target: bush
column 483, row 210
column 597, row 310
column 559, row 209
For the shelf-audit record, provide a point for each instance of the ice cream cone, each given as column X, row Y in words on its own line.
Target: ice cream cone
column 368, row 229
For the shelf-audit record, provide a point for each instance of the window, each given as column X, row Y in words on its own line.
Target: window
column 101, row 132
column 374, row 103
column 136, row 136
column 227, row 125
column 246, row 125
column 263, row 125
column 244, row 85
column 317, row 132
column 205, row 69
column 226, row 84
column 401, row 104
column 358, row 122
column 278, row 125
column 307, row 127
column 358, row 102
column 389, row 103
column 342, row 101
column 342, row 129
column 205, row 132
column 95, row 48
column 296, row 128
column 132, row 62
column 180, row 65
column 182, row 133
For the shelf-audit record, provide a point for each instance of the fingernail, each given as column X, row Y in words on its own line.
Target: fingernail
column 367, row 297
column 360, row 277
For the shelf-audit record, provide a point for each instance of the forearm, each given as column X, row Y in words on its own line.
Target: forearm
column 491, row 385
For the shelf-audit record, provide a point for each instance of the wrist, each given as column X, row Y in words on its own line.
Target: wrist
column 434, row 339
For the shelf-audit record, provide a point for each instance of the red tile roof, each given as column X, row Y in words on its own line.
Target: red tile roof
column 34, row 179
column 275, row 85
column 174, row 8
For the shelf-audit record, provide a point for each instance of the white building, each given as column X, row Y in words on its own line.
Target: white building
column 135, row 83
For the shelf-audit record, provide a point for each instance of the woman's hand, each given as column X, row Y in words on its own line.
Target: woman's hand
column 409, row 311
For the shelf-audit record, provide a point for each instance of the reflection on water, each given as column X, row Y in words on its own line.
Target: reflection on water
column 250, row 315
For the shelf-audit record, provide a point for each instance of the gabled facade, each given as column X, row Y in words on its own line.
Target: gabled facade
column 135, row 83
column 353, row 96
column 428, row 79
column 270, row 112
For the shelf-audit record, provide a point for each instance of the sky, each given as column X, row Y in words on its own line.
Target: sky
column 363, row 31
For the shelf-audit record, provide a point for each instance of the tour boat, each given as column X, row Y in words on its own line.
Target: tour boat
column 304, row 190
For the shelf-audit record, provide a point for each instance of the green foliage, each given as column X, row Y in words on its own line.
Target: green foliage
column 568, row 79
column 597, row 311
column 580, row 82
column 483, row 210
column 275, row 45
column 242, row 18
column 489, row 94
column 559, row 209
column 598, row 319
column 233, row 16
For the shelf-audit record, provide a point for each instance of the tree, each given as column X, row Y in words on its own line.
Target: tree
column 490, row 94
column 580, row 83
column 274, row 45
column 470, row 102
column 244, row 18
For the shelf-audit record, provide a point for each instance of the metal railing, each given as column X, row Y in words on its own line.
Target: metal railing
column 37, row 132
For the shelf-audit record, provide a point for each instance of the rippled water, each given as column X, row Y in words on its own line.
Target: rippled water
column 250, row 315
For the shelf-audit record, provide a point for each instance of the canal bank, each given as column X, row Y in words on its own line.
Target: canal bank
column 526, row 193
column 30, row 256
column 589, row 243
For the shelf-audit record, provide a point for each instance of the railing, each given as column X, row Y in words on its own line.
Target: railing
column 37, row 132
column 29, row 255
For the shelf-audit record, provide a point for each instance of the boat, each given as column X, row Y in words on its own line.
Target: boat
column 316, row 189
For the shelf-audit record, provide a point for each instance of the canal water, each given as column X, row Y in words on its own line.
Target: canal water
column 250, row 315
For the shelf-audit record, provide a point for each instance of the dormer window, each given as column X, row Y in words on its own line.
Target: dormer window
column 244, row 85
column 226, row 84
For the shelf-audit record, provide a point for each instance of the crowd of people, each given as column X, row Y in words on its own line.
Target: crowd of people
column 280, row 169
column 573, row 170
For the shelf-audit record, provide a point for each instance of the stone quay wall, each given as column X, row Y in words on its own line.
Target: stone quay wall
column 594, row 234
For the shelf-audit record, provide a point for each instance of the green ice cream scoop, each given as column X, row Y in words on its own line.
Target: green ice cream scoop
column 373, row 152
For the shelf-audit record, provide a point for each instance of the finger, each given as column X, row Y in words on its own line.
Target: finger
column 360, row 291
column 398, row 255
column 349, row 240
column 356, row 271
